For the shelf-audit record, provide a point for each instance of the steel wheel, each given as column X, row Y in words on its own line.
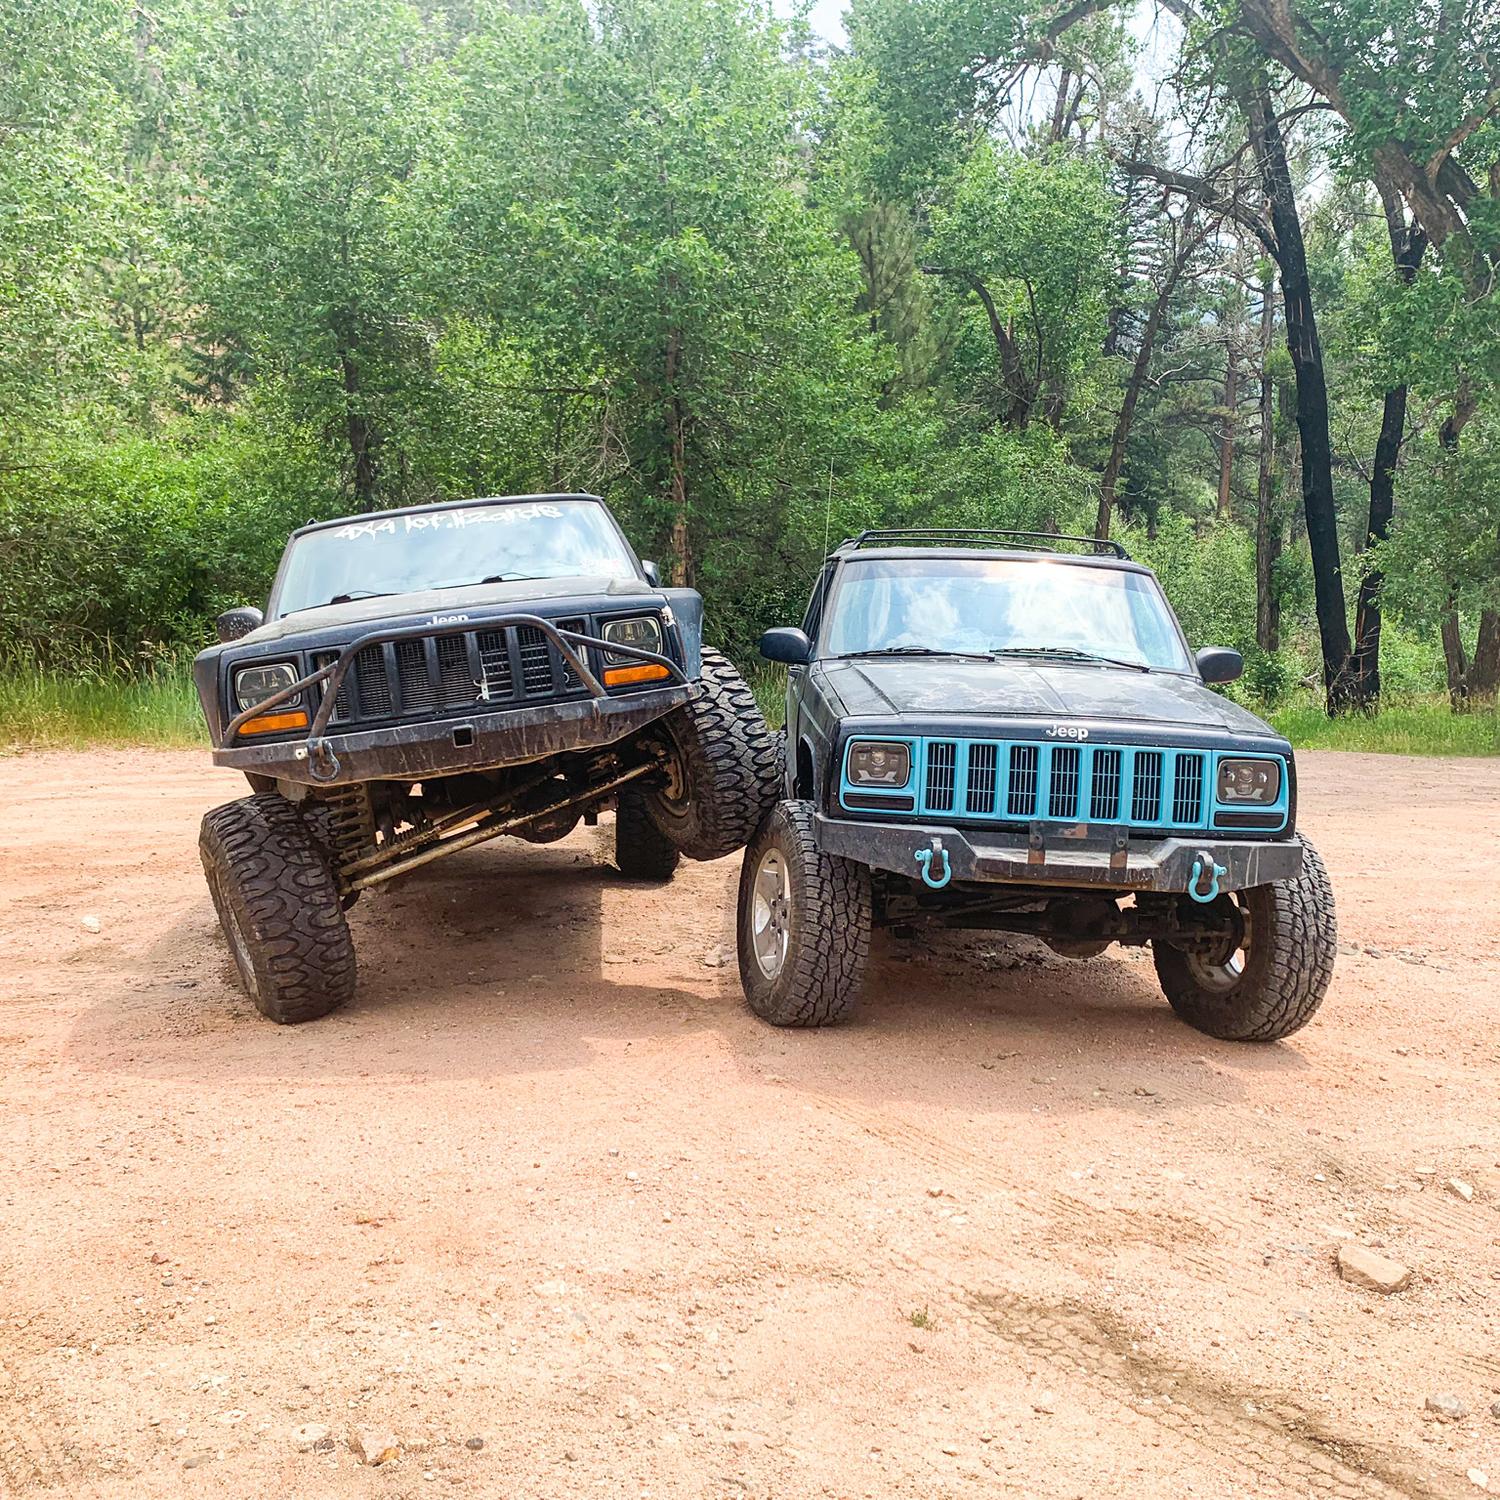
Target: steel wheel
column 770, row 913
column 1219, row 972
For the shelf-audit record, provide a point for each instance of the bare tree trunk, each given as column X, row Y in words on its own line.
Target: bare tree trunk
column 1267, row 522
column 1479, row 677
column 363, row 439
column 1226, row 438
column 1110, row 479
column 1312, row 395
column 1408, row 244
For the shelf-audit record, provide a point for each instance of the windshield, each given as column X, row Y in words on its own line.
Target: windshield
column 407, row 551
column 1001, row 606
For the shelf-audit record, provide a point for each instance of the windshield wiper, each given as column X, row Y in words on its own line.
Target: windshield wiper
column 348, row 598
column 1069, row 653
column 502, row 578
column 915, row 651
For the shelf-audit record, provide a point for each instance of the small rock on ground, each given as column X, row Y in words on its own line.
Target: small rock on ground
column 307, row 1437
column 1460, row 1189
column 474, row 1444
column 1369, row 1269
column 1446, row 1405
column 373, row 1447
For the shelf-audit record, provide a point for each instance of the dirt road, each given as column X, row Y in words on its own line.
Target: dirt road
column 547, row 1185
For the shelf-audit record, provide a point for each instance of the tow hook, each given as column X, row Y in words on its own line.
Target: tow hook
column 1204, row 868
column 925, row 857
column 323, row 763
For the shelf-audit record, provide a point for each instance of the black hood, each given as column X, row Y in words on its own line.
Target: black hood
column 935, row 686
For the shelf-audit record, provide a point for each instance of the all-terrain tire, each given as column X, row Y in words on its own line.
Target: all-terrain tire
column 642, row 850
column 826, row 916
column 1292, row 936
column 279, row 907
column 729, row 764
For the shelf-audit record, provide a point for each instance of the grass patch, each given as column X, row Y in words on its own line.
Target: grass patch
column 1420, row 727
column 42, row 710
column 920, row 1318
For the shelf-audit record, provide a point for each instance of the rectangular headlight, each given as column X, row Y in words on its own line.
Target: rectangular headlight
column 1248, row 783
column 885, row 763
column 255, row 684
column 641, row 631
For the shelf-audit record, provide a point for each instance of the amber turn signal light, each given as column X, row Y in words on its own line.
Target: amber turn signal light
column 270, row 723
column 647, row 671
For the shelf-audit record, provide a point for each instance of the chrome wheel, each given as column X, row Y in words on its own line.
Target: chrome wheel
column 770, row 913
column 1220, row 971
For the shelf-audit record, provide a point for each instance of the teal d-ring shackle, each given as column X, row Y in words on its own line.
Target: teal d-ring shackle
column 1204, row 868
column 925, row 858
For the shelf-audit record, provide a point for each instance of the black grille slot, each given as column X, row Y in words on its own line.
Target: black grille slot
column 494, row 662
column 1187, row 790
column 941, row 759
column 456, row 685
column 1020, row 802
column 372, row 684
column 1104, row 790
column 569, row 676
column 536, row 661
column 1062, row 800
column 983, row 767
column 419, row 693
column 1145, row 800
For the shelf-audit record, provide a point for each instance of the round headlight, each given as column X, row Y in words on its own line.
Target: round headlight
column 641, row 631
column 253, row 685
column 1249, row 781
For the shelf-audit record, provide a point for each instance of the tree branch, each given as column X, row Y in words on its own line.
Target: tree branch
column 1205, row 191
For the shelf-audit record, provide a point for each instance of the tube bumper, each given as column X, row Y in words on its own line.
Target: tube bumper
column 1053, row 854
column 444, row 747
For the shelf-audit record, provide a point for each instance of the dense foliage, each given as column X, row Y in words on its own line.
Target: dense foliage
column 272, row 261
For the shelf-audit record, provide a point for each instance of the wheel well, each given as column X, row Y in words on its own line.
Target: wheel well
column 805, row 785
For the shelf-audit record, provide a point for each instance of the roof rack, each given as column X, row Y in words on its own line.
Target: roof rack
column 938, row 536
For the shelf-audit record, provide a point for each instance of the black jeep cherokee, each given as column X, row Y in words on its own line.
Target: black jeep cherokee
column 426, row 679
column 983, row 731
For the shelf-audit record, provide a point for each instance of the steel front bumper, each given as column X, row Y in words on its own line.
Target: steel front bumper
column 1052, row 855
column 441, row 747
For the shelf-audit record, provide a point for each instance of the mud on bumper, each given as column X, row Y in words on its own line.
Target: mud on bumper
column 442, row 747
column 1105, row 858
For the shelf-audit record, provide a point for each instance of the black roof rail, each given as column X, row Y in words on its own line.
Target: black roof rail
column 939, row 536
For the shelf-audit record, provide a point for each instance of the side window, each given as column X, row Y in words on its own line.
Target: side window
column 814, row 616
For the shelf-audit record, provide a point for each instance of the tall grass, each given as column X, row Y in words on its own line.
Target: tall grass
column 1426, row 726
column 54, row 710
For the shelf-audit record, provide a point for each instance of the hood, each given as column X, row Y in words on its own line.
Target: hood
column 1013, row 689
column 519, row 594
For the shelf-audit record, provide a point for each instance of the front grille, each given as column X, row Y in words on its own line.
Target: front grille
column 453, row 674
column 941, row 758
column 1023, row 781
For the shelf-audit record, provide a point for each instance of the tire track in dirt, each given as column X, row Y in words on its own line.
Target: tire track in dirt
column 1272, row 1445
column 27, row 1459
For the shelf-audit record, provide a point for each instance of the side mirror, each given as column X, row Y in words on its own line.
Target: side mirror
column 786, row 643
column 652, row 572
column 1220, row 664
column 234, row 623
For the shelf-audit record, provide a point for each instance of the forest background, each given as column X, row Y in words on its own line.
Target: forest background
column 1215, row 279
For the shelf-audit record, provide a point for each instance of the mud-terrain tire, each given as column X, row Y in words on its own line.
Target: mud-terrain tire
column 642, row 850
column 803, row 924
column 728, row 767
column 1273, row 984
column 279, row 907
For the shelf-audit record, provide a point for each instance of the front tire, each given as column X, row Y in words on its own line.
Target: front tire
column 1272, row 979
column 727, row 767
column 804, row 924
column 279, row 907
column 642, row 850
